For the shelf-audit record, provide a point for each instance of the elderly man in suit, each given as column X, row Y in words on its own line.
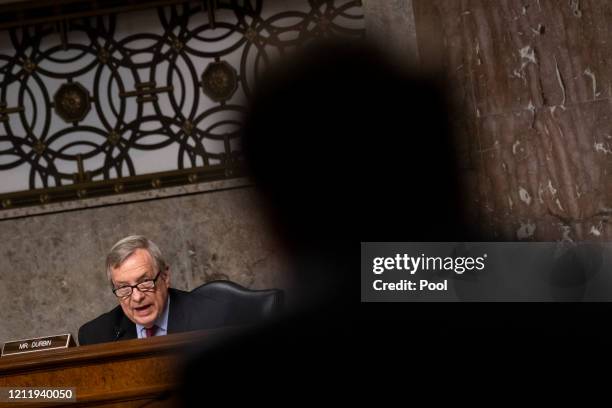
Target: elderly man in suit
column 148, row 306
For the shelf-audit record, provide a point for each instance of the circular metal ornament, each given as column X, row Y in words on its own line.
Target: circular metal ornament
column 71, row 102
column 219, row 81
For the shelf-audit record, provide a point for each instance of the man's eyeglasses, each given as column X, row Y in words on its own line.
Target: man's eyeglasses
column 147, row 285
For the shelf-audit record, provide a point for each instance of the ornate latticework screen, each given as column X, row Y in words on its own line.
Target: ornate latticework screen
column 106, row 104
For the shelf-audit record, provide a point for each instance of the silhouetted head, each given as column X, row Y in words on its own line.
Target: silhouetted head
column 346, row 147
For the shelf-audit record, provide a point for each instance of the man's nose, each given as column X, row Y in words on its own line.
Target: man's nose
column 137, row 295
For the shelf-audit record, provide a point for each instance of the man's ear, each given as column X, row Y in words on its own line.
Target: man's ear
column 166, row 276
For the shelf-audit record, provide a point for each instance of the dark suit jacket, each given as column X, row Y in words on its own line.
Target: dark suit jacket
column 187, row 312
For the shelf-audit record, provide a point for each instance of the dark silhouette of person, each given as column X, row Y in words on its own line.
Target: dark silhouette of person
column 344, row 146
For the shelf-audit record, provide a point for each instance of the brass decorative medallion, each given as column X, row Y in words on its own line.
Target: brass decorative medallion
column 177, row 44
column 104, row 56
column 72, row 102
column 39, row 147
column 113, row 138
column 251, row 35
column 188, row 128
column 29, row 66
column 219, row 81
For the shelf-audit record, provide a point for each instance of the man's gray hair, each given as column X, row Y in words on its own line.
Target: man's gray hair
column 127, row 246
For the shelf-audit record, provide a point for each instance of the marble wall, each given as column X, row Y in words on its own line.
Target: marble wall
column 52, row 276
column 390, row 24
column 533, row 89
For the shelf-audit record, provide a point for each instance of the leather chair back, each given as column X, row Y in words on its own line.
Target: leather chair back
column 244, row 306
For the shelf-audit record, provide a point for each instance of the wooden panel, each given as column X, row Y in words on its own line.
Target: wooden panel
column 120, row 374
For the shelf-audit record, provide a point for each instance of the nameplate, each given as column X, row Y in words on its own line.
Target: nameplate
column 37, row 344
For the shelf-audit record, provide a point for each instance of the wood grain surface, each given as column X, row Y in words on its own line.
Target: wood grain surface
column 120, row 374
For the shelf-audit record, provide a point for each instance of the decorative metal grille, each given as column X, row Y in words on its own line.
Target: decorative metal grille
column 132, row 101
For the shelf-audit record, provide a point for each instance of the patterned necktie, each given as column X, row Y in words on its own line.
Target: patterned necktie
column 150, row 331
